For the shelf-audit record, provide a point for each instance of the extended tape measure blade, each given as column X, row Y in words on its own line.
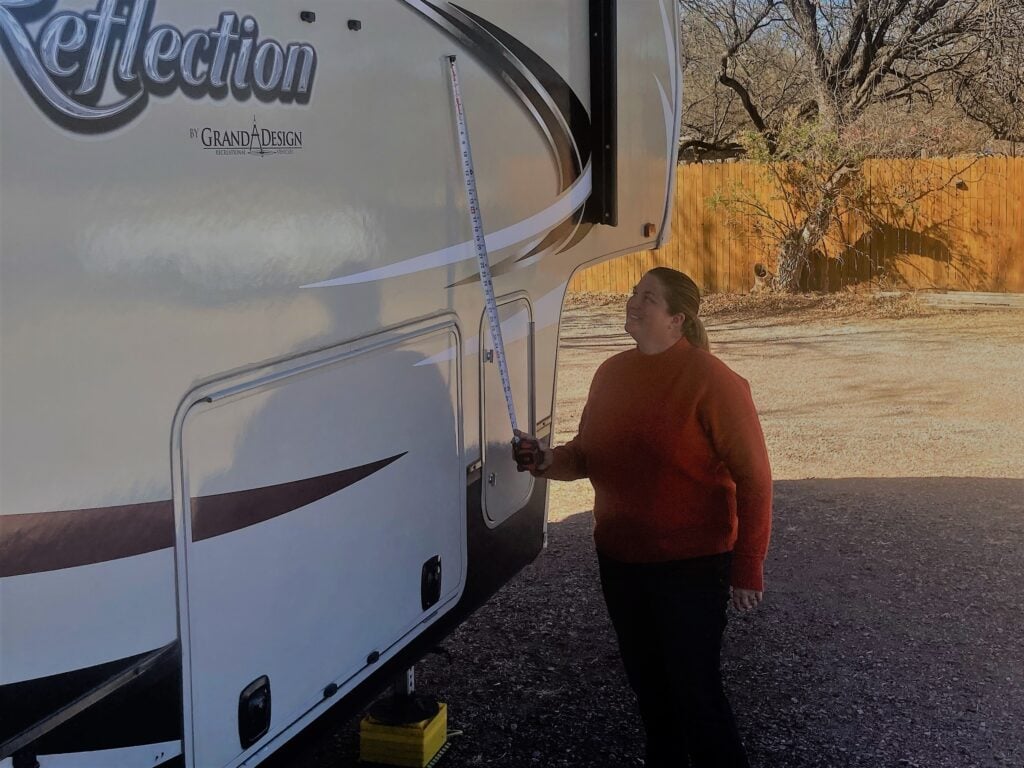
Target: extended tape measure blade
column 480, row 244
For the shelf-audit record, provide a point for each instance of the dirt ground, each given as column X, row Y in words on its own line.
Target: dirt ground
column 891, row 634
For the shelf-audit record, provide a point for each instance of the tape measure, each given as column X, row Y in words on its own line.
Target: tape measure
column 480, row 244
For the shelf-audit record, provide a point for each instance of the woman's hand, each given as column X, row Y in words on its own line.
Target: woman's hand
column 530, row 455
column 745, row 599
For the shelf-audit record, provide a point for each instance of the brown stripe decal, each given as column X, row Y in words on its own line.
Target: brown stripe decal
column 227, row 512
column 50, row 541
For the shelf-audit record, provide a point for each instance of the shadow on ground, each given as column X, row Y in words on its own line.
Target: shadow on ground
column 891, row 636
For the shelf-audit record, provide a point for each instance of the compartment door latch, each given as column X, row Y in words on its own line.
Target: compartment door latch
column 430, row 582
column 254, row 712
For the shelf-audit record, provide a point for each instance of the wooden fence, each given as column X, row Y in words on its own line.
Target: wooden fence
column 962, row 229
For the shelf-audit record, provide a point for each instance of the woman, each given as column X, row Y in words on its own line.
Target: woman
column 671, row 441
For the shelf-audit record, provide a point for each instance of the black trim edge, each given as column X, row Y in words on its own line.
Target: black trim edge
column 603, row 208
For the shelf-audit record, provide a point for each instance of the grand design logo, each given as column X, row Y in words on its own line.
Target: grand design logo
column 94, row 71
column 256, row 141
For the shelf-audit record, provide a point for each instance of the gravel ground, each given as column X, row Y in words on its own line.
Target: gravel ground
column 891, row 634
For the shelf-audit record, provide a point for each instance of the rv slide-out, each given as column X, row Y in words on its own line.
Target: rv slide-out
column 254, row 451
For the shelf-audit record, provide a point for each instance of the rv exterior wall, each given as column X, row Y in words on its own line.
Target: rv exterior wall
column 193, row 194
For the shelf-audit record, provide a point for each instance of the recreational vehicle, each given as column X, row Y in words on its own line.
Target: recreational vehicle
column 254, row 451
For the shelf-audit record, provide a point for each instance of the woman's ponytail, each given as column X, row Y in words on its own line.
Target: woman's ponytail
column 683, row 298
column 696, row 334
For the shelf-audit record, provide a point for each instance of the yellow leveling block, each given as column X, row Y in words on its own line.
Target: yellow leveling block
column 413, row 745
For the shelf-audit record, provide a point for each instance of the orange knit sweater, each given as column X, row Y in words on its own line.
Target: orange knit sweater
column 674, row 449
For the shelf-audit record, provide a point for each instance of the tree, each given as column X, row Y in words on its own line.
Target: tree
column 724, row 47
column 842, row 74
column 990, row 88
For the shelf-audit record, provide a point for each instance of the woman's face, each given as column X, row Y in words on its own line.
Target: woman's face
column 648, row 319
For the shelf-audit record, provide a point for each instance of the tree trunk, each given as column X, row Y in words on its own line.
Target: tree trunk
column 797, row 246
column 793, row 255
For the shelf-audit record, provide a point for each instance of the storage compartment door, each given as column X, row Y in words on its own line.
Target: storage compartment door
column 506, row 490
column 325, row 528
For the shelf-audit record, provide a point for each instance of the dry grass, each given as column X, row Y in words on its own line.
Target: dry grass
column 593, row 299
column 730, row 307
column 831, row 306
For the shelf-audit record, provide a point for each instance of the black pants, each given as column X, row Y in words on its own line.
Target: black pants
column 669, row 618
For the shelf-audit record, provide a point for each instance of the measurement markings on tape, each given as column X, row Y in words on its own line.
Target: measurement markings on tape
column 480, row 243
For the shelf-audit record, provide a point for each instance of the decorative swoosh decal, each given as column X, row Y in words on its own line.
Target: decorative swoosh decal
column 574, row 119
column 50, row 541
column 226, row 512
column 559, row 115
column 544, row 93
column 520, row 232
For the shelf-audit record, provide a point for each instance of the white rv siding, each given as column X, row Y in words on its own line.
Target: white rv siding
column 144, row 262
